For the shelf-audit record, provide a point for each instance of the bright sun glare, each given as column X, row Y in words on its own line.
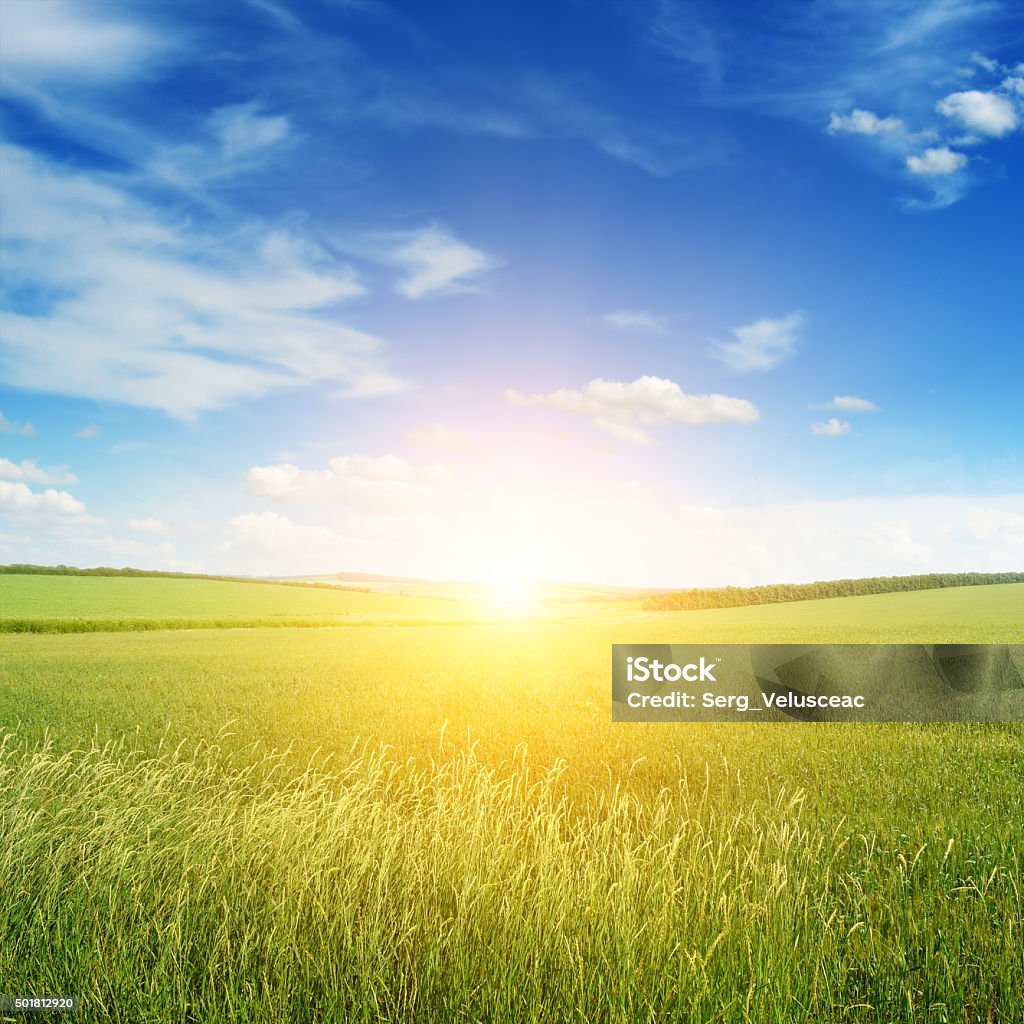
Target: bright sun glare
column 506, row 586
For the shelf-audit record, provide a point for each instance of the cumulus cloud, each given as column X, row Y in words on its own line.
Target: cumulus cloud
column 936, row 161
column 831, row 428
column 148, row 525
column 14, row 427
column 640, row 321
column 379, row 485
column 576, row 523
column 864, row 122
column 762, row 345
column 625, row 409
column 149, row 312
column 19, row 501
column 984, row 113
column 28, row 472
column 848, row 403
column 88, row 432
column 995, row 524
column 435, row 261
column 931, row 157
column 269, row 541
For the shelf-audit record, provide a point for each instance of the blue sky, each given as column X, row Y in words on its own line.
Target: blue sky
column 654, row 293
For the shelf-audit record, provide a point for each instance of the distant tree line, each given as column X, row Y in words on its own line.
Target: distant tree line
column 776, row 593
column 17, row 569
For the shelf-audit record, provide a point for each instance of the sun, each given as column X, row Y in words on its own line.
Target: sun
column 506, row 586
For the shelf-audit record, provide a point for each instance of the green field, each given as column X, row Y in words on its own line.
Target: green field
column 441, row 822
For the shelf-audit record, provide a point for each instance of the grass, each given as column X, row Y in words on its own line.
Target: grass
column 95, row 598
column 441, row 823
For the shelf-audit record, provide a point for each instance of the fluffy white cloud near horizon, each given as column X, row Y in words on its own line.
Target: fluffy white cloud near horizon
column 19, row 502
column 644, row 536
column 625, row 409
column 28, row 472
column 150, row 525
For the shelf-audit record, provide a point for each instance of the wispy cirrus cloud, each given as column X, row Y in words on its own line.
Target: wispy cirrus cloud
column 763, row 344
column 236, row 139
column 434, row 260
column 80, row 41
column 626, row 409
column 848, row 403
column 378, row 485
column 637, row 321
column 143, row 309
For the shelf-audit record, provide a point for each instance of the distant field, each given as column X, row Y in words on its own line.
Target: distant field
column 441, row 822
column 84, row 604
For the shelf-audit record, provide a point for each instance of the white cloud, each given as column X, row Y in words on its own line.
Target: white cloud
column 19, row 501
column 153, row 314
column 28, row 472
column 60, row 39
column 936, row 162
column 378, row 485
column 917, row 22
column 994, row 525
column 865, row 122
column 849, row 403
column 148, row 525
column 624, row 409
column 762, row 345
column 435, row 261
column 831, row 428
column 572, row 526
column 270, row 542
column 985, row 113
column 88, row 432
column 242, row 138
column 437, row 435
column 640, row 321
column 241, row 129
column 1014, row 84
column 15, row 427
